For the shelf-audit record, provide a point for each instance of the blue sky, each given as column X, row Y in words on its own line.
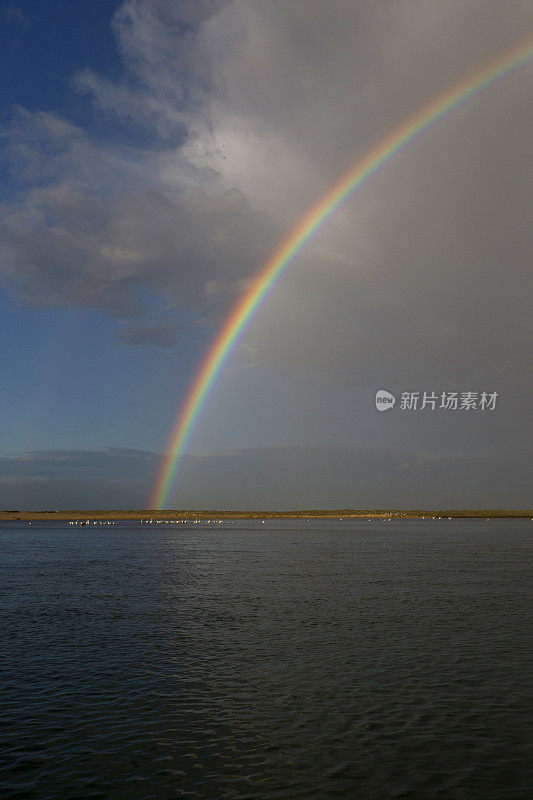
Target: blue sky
column 45, row 44
column 154, row 152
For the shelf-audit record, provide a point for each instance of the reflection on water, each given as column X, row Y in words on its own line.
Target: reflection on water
column 279, row 660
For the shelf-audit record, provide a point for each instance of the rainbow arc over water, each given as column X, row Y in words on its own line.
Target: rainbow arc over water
column 308, row 226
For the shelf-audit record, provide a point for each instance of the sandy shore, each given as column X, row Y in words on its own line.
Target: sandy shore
column 146, row 514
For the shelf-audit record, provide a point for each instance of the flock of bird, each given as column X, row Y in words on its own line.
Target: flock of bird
column 152, row 521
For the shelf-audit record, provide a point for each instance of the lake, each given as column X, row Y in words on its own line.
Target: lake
column 291, row 659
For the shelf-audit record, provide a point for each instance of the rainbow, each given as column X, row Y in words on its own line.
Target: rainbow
column 365, row 168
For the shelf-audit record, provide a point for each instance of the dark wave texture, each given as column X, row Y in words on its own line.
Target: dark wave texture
column 329, row 659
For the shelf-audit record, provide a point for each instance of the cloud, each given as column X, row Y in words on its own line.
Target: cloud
column 87, row 237
column 246, row 112
column 92, row 222
column 337, row 477
column 110, row 462
column 49, row 479
column 267, row 478
column 423, row 276
column 154, row 335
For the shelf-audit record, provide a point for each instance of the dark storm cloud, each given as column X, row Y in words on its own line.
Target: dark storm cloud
column 111, row 478
column 281, row 478
column 336, row 477
column 108, row 463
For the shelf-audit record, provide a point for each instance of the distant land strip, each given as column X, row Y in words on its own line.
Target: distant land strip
column 188, row 514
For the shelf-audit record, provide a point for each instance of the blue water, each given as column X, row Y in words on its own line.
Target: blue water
column 280, row 660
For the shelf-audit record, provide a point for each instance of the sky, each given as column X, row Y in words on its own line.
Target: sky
column 153, row 155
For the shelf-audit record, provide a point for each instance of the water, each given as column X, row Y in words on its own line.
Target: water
column 279, row 660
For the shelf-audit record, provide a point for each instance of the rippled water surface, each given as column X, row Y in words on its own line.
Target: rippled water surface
column 282, row 660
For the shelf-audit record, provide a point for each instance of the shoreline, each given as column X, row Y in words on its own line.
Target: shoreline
column 144, row 514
